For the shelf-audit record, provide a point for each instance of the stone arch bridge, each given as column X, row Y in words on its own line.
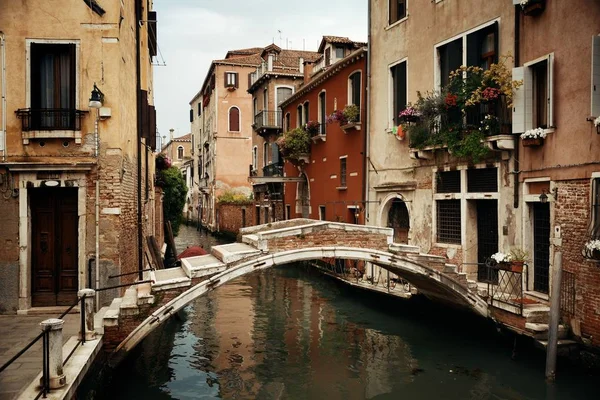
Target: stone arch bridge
column 144, row 307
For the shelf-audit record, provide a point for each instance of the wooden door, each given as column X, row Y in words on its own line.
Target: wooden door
column 54, row 246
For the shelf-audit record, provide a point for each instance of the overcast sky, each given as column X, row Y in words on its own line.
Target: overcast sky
column 192, row 33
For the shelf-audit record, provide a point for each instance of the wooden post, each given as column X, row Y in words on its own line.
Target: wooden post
column 554, row 319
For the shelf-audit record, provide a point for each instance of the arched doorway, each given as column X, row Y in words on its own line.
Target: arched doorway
column 303, row 197
column 399, row 220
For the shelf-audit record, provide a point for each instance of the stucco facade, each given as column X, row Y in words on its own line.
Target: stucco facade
column 64, row 162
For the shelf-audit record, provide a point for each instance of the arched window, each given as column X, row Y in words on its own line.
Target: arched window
column 299, row 119
column 234, row 119
column 266, row 154
column 254, row 157
column 287, row 125
column 354, row 89
column 180, row 153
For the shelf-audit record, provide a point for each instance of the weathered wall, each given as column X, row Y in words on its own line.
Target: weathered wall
column 331, row 237
column 9, row 256
column 231, row 217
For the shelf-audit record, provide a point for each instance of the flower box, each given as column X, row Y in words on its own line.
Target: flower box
column 532, row 142
column 533, row 7
column 350, row 126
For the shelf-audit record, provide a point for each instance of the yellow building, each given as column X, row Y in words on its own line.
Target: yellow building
column 77, row 132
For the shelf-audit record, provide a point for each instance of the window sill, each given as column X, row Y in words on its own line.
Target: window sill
column 447, row 245
column 63, row 134
column 390, row 26
column 342, row 188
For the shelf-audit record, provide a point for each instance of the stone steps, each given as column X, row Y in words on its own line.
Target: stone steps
column 541, row 331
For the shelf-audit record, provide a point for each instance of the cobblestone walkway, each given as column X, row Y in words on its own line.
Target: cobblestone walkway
column 16, row 331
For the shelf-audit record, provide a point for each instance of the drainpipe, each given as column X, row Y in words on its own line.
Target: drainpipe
column 367, row 118
column 516, row 49
column 97, row 272
column 138, row 19
column 3, row 83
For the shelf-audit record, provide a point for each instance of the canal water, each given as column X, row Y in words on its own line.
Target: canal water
column 291, row 333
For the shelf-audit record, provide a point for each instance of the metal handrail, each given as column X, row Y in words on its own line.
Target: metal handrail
column 125, row 284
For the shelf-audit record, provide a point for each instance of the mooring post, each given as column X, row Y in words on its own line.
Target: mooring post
column 554, row 318
column 86, row 296
column 56, row 377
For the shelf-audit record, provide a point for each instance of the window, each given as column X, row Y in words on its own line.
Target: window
column 53, row 86
column 448, row 182
column 234, row 119
column 322, row 114
column 450, row 58
column 180, row 153
column 354, row 89
column 322, row 213
column 482, row 180
column 265, row 99
column 339, row 52
column 327, row 56
column 397, row 10
column 283, row 93
column 398, row 72
column 343, row 172
column 199, row 108
column 448, row 221
column 288, row 211
column 265, row 154
column 254, row 158
column 231, row 79
column 299, row 119
column 533, row 102
column 595, row 112
column 287, row 125
column 255, row 106
column 595, row 225
column 192, row 115
column 305, row 114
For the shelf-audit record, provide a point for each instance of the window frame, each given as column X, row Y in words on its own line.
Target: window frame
column 181, row 150
column 594, row 229
column 254, row 158
column 305, row 112
column 229, row 119
column 393, row 115
column 351, row 88
column 398, row 18
column 343, row 172
column 322, row 111
column 299, row 112
column 266, row 151
column 231, row 79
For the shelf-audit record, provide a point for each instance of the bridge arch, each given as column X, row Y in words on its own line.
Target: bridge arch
column 429, row 281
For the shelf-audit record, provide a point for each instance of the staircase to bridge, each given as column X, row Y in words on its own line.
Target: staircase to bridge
column 145, row 306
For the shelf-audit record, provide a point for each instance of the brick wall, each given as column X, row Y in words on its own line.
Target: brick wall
column 572, row 214
column 9, row 256
column 330, row 237
column 231, row 217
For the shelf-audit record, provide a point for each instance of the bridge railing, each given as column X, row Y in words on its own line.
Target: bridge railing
column 504, row 285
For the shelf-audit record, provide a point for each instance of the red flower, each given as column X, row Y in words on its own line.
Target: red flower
column 490, row 93
column 451, row 100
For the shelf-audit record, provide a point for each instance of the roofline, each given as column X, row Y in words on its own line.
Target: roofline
column 212, row 67
column 331, row 70
column 275, row 74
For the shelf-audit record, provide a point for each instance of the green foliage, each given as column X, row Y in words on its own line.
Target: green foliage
column 175, row 191
column 233, row 197
column 294, row 143
column 518, row 254
column 351, row 113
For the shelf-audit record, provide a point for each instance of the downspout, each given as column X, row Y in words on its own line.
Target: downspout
column 516, row 49
column 3, row 83
column 367, row 118
column 97, row 272
column 138, row 19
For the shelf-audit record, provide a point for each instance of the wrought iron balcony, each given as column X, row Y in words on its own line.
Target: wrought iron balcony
column 50, row 119
column 266, row 119
column 273, row 170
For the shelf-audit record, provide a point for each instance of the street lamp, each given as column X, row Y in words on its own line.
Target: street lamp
column 96, row 97
column 544, row 197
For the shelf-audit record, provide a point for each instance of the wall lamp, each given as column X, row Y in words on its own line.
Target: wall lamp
column 544, row 197
column 96, row 98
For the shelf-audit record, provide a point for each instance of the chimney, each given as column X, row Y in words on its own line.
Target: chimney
column 301, row 65
column 308, row 69
column 171, row 134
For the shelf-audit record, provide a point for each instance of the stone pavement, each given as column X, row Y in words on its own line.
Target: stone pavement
column 16, row 331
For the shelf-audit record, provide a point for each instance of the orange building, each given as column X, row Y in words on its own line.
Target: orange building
column 331, row 185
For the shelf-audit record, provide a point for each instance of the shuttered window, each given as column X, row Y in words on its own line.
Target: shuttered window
column 355, row 79
column 234, row 119
column 231, row 80
column 596, row 76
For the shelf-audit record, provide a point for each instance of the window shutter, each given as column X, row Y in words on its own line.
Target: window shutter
column 528, row 95
column 191, row 115
column 225, row 83
column 518, row 116
column 237, row 85
column 596, row 76
column 275, row 153
column 551, row 91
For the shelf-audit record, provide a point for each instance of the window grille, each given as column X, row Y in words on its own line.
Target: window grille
column 448, row 221
column 482, row 180
column 342, row 172
column 448, row 182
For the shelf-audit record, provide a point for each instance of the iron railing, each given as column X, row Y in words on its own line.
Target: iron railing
column 50, row 119
column 567, row 293
column 273, row 170
column 504, row 286
column 268, row 119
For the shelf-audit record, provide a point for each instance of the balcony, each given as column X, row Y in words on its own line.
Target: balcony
column 48, row 123
column 266, row 122
column 260, row 71
column 318, row 132
column 273, row 170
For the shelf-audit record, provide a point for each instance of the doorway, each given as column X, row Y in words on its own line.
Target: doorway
column 304, row 197
column 398, row 219
column 487, row 238
column 541, row 247
column 54, row 246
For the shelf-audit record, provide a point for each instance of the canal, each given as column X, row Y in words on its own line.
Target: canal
column 291, row 333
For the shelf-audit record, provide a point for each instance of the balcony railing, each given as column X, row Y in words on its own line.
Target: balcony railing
column 260, row 71
column 318, row 130
column 273, row 170
column 267, row 119
column 50, row 119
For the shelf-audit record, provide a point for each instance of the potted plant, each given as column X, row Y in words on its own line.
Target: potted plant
column 351, row 113
column 312, row 127
column 409, row 114
column 518, row 257
column 532, row 7
column 502, row 259
column 294, row 145
column 533, row 137
column 591, row 249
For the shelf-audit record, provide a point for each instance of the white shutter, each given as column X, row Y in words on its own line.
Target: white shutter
column 528, row 90
column 595, row 76
column 518, row 116
column 551, row 91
